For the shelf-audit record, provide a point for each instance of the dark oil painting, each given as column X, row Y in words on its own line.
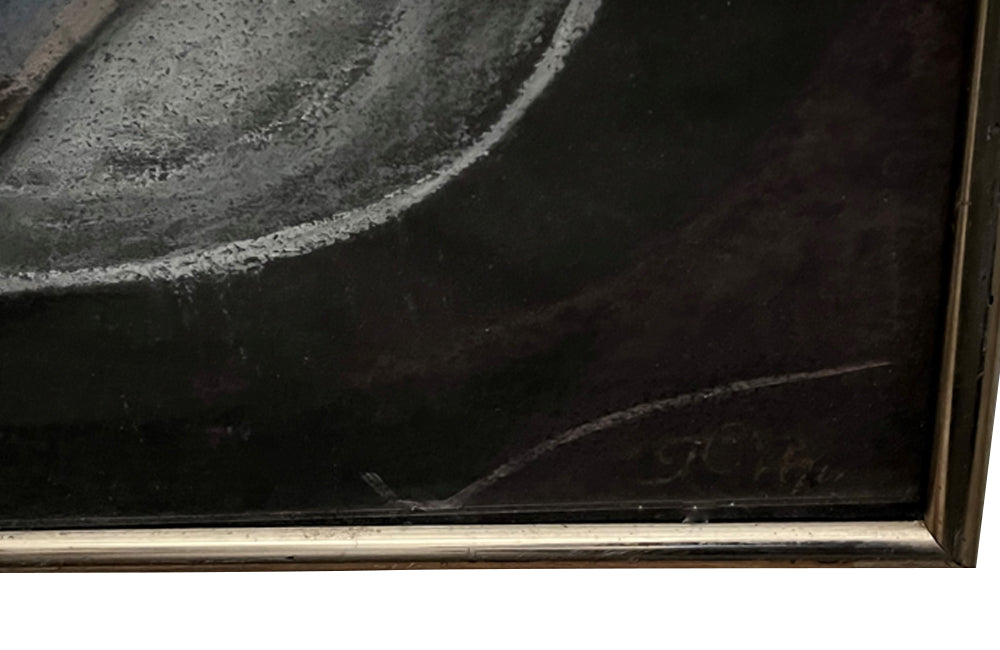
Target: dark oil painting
column 455, row 261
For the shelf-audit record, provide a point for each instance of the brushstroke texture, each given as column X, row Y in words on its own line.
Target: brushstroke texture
column 161, row 208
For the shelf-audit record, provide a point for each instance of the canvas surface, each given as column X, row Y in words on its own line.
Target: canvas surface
column 697, row 275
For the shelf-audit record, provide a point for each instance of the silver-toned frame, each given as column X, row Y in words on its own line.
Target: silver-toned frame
column 947, row 536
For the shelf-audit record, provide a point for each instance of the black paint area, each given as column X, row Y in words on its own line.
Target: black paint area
column 710, row 193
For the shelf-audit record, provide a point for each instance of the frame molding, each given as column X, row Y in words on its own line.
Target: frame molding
column 948, row 536
column 852, row 543
column 971, row 357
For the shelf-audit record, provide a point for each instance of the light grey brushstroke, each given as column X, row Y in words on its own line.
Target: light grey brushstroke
column 252, row 253
column 634, row 414
column 379, row 486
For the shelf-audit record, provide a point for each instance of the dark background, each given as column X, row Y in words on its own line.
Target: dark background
column 710, row 192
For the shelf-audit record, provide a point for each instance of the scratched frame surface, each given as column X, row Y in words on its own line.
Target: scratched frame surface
column 964, row 402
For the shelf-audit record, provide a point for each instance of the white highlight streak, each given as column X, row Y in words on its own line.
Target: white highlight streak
column 253, row 253
column 639, row 412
